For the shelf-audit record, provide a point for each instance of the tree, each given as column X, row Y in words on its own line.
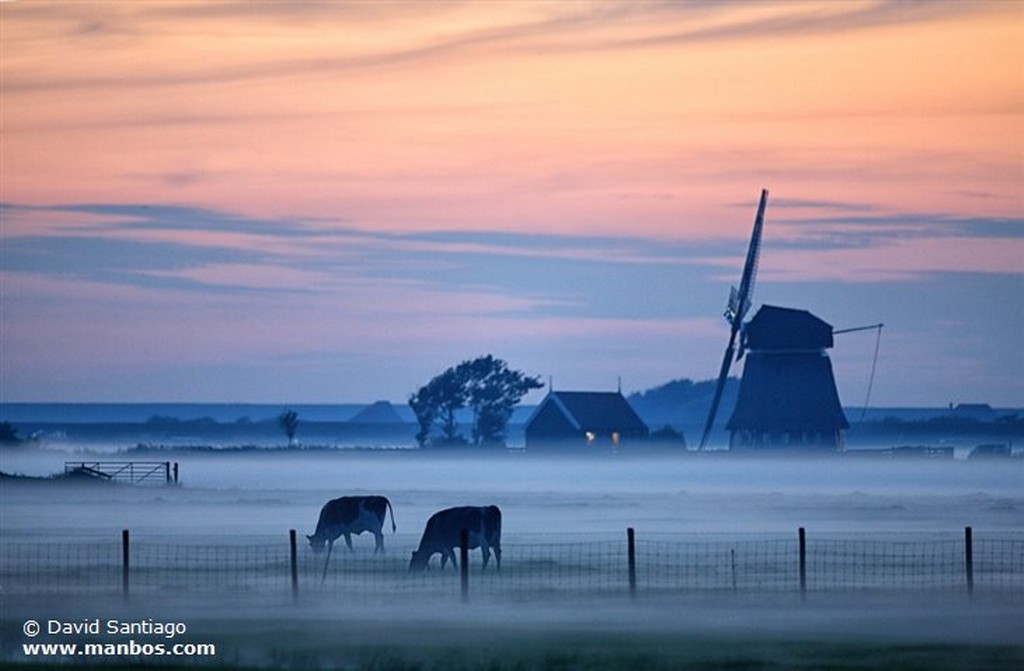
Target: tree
column 485, row 385
column 435, row 406
column 8, row 434
column 289, row 423
column 493, row 393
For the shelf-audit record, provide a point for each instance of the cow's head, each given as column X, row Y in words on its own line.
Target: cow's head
column 316, row 543
column 419, row 560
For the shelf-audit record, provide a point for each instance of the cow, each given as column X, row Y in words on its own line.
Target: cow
column 441, row 535
column 350, row 515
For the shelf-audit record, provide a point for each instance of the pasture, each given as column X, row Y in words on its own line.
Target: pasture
column 716, row 545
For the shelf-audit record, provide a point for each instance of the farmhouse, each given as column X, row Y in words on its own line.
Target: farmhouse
column 582, row 419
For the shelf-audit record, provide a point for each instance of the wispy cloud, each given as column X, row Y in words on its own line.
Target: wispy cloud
column 534, row 28
column 195, row 249
column 287, row 180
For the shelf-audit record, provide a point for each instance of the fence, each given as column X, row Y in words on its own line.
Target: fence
column 530, row 569
column 131, row 472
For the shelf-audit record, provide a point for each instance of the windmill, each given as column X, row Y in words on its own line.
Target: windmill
column 788, row 395
column 739, row 304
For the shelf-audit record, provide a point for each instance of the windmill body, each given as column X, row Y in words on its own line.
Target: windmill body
column 788, row 397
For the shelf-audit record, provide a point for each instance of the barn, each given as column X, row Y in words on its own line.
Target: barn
column 584, row 419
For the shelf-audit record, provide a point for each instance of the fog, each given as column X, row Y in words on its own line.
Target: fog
column 241, row 497
column 250, row 493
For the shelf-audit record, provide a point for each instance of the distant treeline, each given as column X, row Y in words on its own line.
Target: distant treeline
column 679, row 406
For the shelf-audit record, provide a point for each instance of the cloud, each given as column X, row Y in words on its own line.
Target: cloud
column 862, row 231
column 135, row 284
column 439, row 31
column 201, row 250
column 802, row 19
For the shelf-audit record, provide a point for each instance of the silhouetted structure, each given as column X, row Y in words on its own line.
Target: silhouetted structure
column 584, row 419
column 740, row 301
column 788, row 396
column 380, row 412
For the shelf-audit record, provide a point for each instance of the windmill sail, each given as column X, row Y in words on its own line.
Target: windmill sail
column 739, row 304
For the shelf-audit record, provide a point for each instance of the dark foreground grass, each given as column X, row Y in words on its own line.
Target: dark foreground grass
column 467, row 647
column 752, row 633
column 540, row 655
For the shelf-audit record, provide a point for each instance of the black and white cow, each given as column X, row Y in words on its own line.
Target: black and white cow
column 443, row 529
column 350, row 515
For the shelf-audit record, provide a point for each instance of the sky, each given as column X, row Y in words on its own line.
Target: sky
column 328, row 202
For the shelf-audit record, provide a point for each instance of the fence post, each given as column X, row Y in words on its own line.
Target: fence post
column 295, row 564
column 464, row 563
column 969, row 559
column 124, row 563
column 631, row 554
column 803, row 564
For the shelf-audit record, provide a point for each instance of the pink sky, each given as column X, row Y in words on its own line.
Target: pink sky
column 653, row 121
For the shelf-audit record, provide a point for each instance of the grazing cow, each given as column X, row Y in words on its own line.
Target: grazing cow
column 350, row 515
column 441, row 535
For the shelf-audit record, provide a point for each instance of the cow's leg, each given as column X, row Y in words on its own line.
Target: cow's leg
column 378, row 537
column 348, row 541
column 497, row 556
column 330, row 546
column 486, row 552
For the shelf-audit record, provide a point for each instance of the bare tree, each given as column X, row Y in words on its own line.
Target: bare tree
column 289, row 423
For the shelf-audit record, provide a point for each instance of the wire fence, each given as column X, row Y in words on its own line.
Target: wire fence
column 531, row 567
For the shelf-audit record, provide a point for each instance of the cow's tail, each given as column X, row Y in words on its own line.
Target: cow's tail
column 392, row 510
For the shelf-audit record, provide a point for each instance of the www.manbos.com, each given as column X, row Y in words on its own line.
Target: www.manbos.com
column 130, row 648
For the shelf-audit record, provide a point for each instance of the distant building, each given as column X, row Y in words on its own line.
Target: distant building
column 581, row 419
column 981, row 412
column 381, row 412
column 787, row 397
column 991, row 451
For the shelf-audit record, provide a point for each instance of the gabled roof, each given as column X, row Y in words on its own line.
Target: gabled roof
column 592, row 411
column 776, row 328
column 381, row 412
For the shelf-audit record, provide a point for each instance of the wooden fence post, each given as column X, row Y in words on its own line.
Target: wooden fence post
column 124, row 564
column 631, row 548
column 295, row 564
column 803, row 564
column 969, row 559
column 464, row 563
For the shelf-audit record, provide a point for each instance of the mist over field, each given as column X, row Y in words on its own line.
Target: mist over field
column 246, row 493
column 244, row 498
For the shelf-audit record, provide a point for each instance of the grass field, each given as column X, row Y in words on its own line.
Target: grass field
column 589, row 623
column 706, row 632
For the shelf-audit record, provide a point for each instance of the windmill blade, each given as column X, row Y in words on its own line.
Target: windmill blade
column 719, row 388
column 746, row 291
column 739, row 304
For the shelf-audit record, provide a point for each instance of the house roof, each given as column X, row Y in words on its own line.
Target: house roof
column 381, row 412
column 777, row 328
column 592, row 410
